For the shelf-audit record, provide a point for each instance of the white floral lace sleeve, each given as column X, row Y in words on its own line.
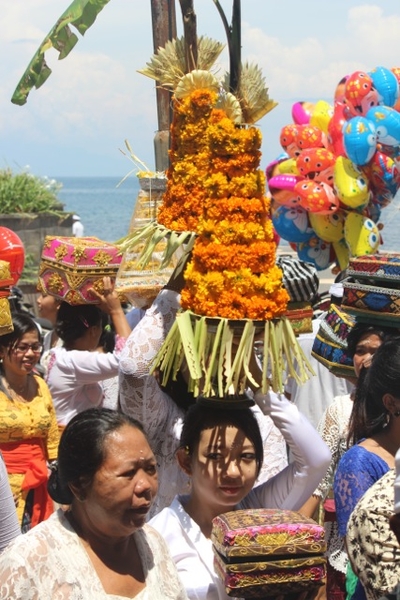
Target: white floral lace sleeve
column 142, row 398
column 50, row 563
column 333, row 428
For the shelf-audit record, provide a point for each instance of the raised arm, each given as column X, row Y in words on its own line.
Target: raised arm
column 290, row 488
column 137, row 386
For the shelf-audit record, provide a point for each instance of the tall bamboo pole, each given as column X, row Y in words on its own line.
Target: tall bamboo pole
column 163, row 19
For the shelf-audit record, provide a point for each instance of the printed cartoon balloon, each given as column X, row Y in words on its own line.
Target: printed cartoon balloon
column 360, row 94
column 292, row 224
column 351, row 184
column 329, row 228
column 359, row 140
column 382, row 174
column 316, row 196
column 361, row 234
column 295, row 138
column 387, row 125
column 317, row 252
column 316, row 164
column 288, row 139
column 386, row 84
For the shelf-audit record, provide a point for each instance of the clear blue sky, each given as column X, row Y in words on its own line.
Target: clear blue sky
column 95, row 99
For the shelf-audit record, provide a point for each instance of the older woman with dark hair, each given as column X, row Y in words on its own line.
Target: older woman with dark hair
column 75, row 371
column 100, row 547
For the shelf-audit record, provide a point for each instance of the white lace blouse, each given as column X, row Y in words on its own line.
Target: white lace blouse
column 333, row 428
column 142, row 398
column 50, row 563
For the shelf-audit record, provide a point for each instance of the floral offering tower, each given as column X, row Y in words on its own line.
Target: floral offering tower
column 216, row 202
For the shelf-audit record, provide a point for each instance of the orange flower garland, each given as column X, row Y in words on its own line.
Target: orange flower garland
column 189, row 162
column 232, row 273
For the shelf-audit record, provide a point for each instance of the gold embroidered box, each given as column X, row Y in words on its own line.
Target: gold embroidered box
column 267, row 552
column 71, row 266
column 6, row 281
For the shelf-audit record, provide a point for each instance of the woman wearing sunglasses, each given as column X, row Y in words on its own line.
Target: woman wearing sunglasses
column 28, row 427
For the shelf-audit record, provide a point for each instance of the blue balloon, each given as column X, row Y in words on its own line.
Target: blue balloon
column 386, row 84
column 359, row 140
column 292, row 224
column 317, row 252
column 387, row 124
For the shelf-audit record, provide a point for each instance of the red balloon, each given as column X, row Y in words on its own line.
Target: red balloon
column 335, row 130
column 12, row 251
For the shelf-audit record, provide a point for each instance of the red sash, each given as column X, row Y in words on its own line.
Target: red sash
column 29, row 457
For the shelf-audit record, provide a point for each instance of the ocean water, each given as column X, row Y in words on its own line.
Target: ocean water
column 106, row 208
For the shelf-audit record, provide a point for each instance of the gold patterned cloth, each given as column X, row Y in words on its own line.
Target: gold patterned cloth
column 6, row 324
column 23, row 421
column 70, row 267
column 267, row 552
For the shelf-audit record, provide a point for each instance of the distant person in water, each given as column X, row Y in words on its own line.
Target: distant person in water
column 77, row 226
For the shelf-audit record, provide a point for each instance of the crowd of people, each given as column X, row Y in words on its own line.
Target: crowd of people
column 110, row 481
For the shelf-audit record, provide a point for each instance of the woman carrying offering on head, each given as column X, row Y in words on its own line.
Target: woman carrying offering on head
column 221, row 451
column 75, row 371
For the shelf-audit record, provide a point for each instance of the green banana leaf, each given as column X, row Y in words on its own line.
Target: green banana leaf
column 81, row 14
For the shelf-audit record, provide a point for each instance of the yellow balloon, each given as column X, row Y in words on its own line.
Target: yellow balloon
column 321, row 115
column 342, row 254
column 288, row 166
column 350, row 183
column 361, row 234
column 329, row 227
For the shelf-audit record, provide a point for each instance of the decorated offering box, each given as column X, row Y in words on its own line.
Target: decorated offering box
column 372, row 303
column 300, row 315
column 71, row 266
column 6, row 281
column 330, row 344
column 268, row 552
column 383, row 269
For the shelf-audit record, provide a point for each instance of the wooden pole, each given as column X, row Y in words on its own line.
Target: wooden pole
column 163, row 17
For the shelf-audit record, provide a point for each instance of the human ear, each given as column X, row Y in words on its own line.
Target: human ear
column 184, row 460
column 78, row 492
column 391, row 404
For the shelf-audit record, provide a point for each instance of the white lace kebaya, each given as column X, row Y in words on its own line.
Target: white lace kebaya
column 50, row 563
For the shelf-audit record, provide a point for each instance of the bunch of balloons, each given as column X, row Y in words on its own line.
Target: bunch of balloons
column 340, row 167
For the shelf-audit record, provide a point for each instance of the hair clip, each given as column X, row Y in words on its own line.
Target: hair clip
column 83, row 320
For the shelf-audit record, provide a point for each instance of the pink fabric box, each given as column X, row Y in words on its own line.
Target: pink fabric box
column 71, row 266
